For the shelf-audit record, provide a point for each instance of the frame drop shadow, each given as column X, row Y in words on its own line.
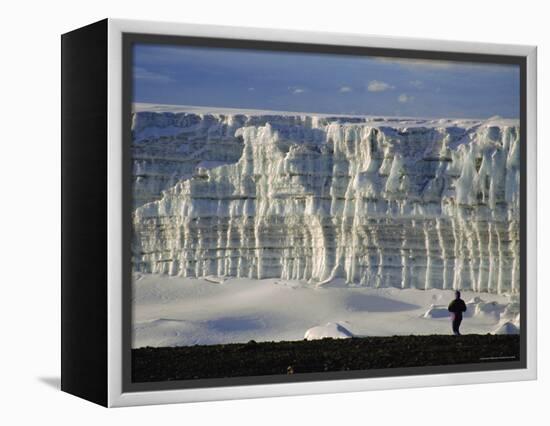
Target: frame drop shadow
column 51, row 381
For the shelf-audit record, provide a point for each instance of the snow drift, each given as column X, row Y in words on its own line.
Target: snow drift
column 179, row 311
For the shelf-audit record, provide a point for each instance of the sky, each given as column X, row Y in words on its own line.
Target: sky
column 323, row 83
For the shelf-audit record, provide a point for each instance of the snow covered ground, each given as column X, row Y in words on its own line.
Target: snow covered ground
column 174, row 311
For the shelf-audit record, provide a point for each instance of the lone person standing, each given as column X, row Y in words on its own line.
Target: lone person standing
column 456, row 308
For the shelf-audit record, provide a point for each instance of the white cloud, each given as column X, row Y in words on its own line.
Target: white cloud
column 417, row 84
column 345, row 89
column 296, row 90
column 378, row 86
column 144, row 74
column 404, row 98
column 251, row 89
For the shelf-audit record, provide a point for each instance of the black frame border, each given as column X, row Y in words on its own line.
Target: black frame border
column 130, row 39
column 84, row 234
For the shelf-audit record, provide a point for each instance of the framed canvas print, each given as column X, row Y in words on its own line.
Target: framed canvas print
column 252, row 213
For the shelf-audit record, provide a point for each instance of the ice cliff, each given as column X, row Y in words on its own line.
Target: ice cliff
column 376, row 202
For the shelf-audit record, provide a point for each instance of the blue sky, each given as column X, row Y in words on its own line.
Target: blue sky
column 323, row 83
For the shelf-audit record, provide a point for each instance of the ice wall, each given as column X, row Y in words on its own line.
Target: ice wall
column 377, row 202
column 168, row 147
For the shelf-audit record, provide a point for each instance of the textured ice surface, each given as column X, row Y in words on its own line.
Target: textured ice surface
column 366, row 201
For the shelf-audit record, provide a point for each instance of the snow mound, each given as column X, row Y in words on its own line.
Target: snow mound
column 437, row 311
column 331, row 330
column 489, row 309
column 511, row 311
column 214, row 279
column 507, row 328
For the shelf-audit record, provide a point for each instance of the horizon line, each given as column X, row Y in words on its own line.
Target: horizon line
column 160, row 108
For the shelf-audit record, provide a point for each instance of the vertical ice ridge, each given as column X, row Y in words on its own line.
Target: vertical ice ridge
column 376, row 204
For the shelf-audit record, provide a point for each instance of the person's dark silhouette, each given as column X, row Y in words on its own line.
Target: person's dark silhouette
column 457, row 307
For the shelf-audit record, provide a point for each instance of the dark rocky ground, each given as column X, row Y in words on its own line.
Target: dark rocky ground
column 268, row 358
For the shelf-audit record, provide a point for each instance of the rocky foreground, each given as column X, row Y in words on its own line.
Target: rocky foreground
column 276, row 358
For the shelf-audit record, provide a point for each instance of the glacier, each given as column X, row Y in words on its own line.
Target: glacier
column 366, row 201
